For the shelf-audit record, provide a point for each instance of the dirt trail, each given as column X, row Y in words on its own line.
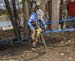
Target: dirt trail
column 58, row 49
column 23, row 53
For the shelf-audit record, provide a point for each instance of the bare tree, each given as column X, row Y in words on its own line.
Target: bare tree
column 12, row 17
column 25, row 10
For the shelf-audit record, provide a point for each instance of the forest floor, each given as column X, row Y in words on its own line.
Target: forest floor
column 60, row 47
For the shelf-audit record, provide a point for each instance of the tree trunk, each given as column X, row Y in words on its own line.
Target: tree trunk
column 15, row 12
column 17, row 19
column 55, row 13
column 25, row 9
column 25, row 12
column 29, row 6
column 10, row 11
column 50, row 12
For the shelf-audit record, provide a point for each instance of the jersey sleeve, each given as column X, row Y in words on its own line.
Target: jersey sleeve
column 29, row 22
column 43, row 22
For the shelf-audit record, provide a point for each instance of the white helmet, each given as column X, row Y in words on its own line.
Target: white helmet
column 40, row 12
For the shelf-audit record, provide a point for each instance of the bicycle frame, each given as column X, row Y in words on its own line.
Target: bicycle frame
column 38, row 32
column 38, row 35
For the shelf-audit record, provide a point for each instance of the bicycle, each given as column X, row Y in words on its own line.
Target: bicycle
column 40, row 39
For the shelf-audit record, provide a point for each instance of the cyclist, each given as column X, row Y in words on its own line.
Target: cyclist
column 36, row 21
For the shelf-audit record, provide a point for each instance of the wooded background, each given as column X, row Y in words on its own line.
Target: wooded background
column 54, row 10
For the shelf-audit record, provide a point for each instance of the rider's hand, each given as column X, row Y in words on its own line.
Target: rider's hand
column 40, row 29
column 33, row 31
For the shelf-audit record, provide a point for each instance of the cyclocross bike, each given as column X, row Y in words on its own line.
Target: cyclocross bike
column 40, row 40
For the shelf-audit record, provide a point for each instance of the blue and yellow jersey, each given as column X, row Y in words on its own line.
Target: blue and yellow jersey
column 33, row 19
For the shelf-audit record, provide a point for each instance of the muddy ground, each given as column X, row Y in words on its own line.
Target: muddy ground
column 60, row 47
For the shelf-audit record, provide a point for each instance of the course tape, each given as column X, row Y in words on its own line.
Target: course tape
column 59, row 21
column 61, row 30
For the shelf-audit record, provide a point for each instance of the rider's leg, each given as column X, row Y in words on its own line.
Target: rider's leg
column 33, row 38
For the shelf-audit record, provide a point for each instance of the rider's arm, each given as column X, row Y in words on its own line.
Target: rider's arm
column 45, row 26
column 29, row 22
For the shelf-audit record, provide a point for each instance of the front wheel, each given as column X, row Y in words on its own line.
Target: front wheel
column 42, row 43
